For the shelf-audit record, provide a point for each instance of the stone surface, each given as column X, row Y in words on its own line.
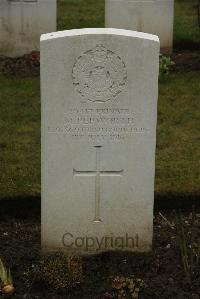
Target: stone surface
column 151, row 16
column 21, row 24
column 99, row 110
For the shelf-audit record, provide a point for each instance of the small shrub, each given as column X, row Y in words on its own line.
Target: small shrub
column 165, row 64
column 58, row 271
column 6, row 282
column 188, row 245
column 127, row 287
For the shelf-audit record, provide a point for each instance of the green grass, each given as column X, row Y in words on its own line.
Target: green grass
column 186, row 27
column 177, row 135
column 80, row 14
column 90, row 13
column 178, row 129
column 19, row 137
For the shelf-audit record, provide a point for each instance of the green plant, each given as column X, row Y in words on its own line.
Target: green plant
column 127, row 287
column 165, row 64
column 188, row 244
column 58, row 270
column 6, row 282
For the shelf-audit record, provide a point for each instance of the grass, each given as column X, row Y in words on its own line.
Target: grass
column 177, row 135
column 80, row 14
column 186, row 27
column 19, row 137
column 90, row 13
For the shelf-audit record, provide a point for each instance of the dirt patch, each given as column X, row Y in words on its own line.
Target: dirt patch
column 161, row 270
column 29, row 64
column 186, row 61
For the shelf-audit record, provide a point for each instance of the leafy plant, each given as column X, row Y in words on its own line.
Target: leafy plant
column 188, row 243
column 165, row 64
column 127, row 287
column 6, row 282
column 58, row 270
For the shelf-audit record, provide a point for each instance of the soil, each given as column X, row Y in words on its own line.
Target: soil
column 29, row 64
column 161, row 270
column 25, row 66
column 186, row 61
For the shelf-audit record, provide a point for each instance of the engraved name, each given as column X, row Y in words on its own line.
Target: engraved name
column 113, row 124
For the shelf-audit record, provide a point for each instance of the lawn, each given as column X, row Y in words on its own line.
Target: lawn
column 20, row 137
column 80, row 14
column 90, row 13
column 186, row 26
column 177, row 136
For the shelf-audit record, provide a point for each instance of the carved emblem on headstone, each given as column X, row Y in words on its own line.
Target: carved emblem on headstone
column 99, row 74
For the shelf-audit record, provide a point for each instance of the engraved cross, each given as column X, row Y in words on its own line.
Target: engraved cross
column 97, row 173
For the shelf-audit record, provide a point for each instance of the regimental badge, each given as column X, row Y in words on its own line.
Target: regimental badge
column 99, row 75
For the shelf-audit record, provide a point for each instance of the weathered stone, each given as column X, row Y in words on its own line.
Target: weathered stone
column 152, row 16
column 21, row 24
column 99, row 110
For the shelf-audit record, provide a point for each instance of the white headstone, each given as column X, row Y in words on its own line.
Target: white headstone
column 21, row 24
column 99, row 110
column 151, row 16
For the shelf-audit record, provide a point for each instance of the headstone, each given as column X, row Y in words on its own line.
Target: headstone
column 21, row 24
column 99, row 99
column 151, row 16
